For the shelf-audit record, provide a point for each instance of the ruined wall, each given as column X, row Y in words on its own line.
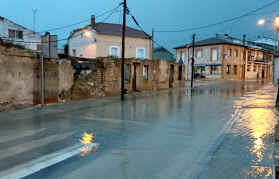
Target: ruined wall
column 20, row 84
column 66, row 80
column 89, row 86
column 16, row 78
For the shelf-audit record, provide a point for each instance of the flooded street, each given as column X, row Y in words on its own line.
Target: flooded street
column 246, row 150
column 219, row 130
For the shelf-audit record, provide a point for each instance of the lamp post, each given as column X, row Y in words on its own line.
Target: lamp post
column 276, row 25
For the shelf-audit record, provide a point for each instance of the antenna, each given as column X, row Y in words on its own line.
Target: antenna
column 34, row 19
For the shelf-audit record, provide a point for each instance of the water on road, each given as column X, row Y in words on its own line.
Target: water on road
column 220, row 130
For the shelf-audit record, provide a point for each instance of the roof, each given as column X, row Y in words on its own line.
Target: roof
column 209, row 41
column 3, row 18
column 229, row 41
column 115, row 29
column 162, row 53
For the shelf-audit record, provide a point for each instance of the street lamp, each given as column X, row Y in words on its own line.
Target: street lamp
column 87, row 34
column 261, row 22
column 276, row 23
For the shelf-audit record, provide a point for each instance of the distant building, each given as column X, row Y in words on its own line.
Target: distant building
column 104, row 39
column 49, row 46
column 162, row 53
column 17, row 34
column 225, row 57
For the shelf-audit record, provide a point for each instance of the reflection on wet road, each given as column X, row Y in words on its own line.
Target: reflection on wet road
column 247, row 151
column 220, row 130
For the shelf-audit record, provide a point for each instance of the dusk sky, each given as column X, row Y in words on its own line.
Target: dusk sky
column 158, row 14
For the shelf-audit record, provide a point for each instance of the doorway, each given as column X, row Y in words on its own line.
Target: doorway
column 171, row 79
column 180, row 73
column 136, row 67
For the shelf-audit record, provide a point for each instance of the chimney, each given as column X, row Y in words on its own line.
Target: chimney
column 93, row 22
column 244, row 40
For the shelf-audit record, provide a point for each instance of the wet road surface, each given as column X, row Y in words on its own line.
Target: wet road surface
column 221, row 130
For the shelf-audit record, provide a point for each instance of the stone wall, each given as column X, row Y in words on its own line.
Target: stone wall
column 20, row 84
column 106, row 80
column 16, row 78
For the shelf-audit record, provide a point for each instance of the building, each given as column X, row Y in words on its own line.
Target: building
column 162, row 53
column 104, row 39
column 19, row 35
column 225, row 57
column 102, row 76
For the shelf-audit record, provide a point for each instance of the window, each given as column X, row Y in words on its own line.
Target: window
column 228, row 69
column 260, row 55
column 126, row 73
column 213, row 70
column 145, row 72
column 141, row 53
column 182, row 56
column 229, row 52
column 15, row 34
column 114, row 51
column 74, row 52
column 199, row 53
column 236, row 53
column 39, row 47
column 12, row 34
column 214, row 54
column 19, row 34
column 235, row 69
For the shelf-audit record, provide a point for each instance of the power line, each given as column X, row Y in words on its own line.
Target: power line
column 64, row 39
column 77, row 23
column 224, row 21
column 137, row 23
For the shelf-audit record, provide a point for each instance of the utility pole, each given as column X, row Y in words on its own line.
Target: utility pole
column 42, row 82
column 193, row 59
column 123, row 49
column 152, row 42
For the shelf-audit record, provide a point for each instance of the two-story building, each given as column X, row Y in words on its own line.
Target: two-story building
column 19, row 35
column 208, row 57
column 224, row 57
column 105, row 39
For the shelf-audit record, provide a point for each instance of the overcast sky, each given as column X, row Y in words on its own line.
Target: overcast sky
column 158, row 14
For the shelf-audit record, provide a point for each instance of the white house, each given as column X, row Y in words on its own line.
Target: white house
column 17, row 34
column 104, row 39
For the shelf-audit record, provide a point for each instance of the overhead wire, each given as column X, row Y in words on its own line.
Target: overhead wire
column 223, row 21
column 76, row 23
column 64, row 39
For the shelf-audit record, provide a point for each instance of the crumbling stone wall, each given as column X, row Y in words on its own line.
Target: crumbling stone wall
column 20, row 84
column 66, row 80
column 16, row 78
column 106, row 81
column 89, row 86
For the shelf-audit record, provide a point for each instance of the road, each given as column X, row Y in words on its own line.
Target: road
column 219, row 130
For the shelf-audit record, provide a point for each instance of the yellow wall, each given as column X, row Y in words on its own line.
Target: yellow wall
column 105, row 41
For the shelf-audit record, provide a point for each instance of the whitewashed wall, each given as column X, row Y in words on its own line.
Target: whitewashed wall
column 85, row 46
